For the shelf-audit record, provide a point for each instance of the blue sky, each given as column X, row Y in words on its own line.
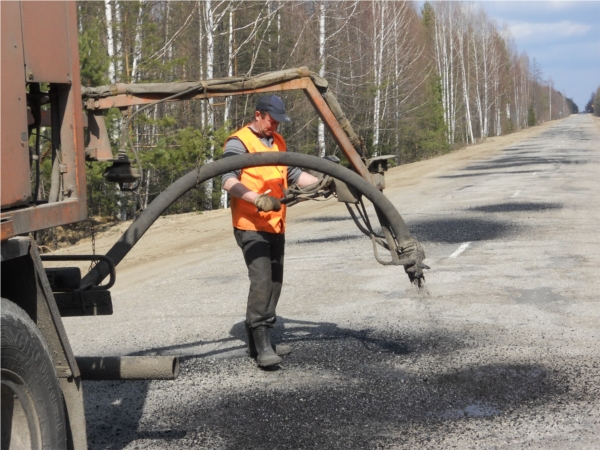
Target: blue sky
column 563, row 37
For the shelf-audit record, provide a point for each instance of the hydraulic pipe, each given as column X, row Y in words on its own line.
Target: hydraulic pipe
column 128, row 367
column 412, row 253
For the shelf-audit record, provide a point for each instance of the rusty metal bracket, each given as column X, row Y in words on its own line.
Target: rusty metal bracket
column 50, row 323
column 98, row 148
column 304, row 83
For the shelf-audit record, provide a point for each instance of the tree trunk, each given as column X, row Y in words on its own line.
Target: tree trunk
column 109, row 40
column 378, row 45
column 210, row 118
column 137, row 50
column 118, row 40
column 463, row 29
column 322, row 39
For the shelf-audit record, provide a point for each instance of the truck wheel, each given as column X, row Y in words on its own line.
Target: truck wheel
column 33, row 415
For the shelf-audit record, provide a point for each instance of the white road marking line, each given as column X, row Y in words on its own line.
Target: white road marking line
column 516, row 194
column 460, row 249
column 534, row 174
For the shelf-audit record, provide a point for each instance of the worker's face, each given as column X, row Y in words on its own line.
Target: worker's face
column 264, row 124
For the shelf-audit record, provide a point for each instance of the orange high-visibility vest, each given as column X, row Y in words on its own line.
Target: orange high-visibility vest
column 245, row 215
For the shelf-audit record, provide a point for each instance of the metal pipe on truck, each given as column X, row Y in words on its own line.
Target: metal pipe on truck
column 128, row 367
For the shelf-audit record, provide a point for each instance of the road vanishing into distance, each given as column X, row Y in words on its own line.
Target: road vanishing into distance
column 500, row 350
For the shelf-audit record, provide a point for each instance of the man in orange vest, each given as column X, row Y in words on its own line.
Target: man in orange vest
column 259, row 221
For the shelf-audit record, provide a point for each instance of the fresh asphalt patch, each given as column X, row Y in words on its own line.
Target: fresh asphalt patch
column 339, row 389
column 487, row 174
column 505, row 163
column 517, row 207
column 459, row 230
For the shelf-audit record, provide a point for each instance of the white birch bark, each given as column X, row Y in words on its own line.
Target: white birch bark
column 441, row 62
column 210, row 120
column 210, row 20
column 147, row 193
column 228, row 99
column 463, row 56
column 79, row 25
column 322, row 39
column 498, row 92
column 118, row 41
column 229, row 60
column 137, row 50
column 168, row 54
column 475, row 47
column 516, row 102
column 516, row 97
column 109, row 40
column 379, row 10
column 396, row 86
column 278, row 32
column 485, row 83
column 445, row 60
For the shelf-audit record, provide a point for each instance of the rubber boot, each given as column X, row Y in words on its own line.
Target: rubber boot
column 280, row 349
column 252, row 353
column 262, row 339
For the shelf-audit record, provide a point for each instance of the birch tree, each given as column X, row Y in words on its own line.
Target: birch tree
column 402, row 81
column 137, row 51
column 445, row 60
column 463, row 31
column 379, row 37
column 211, row 19
column 109, row 40
column 322, row 38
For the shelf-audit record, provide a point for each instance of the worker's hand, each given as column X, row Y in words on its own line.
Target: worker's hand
column 267, row 203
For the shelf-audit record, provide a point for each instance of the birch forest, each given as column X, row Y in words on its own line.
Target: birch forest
column 414, row 83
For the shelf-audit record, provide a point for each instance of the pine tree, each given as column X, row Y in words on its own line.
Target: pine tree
column 531, row 120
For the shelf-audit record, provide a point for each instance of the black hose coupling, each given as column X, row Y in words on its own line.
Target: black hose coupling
column 412, row 256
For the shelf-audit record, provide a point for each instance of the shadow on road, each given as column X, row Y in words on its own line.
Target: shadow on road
column 340, row 388
column 340, row 238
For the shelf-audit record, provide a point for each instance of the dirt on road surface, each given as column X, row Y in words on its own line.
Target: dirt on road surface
column 502, row 350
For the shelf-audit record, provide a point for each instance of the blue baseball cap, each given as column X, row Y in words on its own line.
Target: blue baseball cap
column 274, row 106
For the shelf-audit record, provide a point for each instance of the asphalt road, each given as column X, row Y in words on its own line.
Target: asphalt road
column 501, row 350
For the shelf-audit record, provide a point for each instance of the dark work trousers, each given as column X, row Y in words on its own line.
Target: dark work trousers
column 263, row 253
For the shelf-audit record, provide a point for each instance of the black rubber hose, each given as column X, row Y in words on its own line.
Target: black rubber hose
column 409, row 246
